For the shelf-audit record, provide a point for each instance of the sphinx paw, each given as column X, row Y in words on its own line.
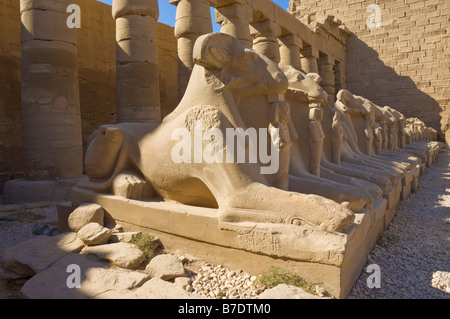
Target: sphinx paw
column 131, row 186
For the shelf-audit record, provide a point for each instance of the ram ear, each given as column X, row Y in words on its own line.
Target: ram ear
column 214, row 50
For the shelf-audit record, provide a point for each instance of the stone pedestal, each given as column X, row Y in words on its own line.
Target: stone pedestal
column 336, row 262
column 25, row 191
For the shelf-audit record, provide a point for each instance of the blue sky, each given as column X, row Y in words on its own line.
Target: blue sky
column 167, row 11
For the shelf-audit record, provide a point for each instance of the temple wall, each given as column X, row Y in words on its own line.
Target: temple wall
column 403, row 63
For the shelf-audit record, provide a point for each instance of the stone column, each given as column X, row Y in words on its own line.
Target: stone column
column 309, row 57
column 290, row 46
column 235, row 20
column 51, row 124
column 326, row 72
column 137, row 80
column 193, row 19
column 265, row 39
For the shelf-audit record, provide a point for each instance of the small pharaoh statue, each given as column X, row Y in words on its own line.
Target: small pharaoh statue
column 338, row 138
column 282, row 132
column 317, row 137
column 378, row 141
column 368, row 133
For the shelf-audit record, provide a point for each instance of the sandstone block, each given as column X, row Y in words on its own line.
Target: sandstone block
column 125, row 237
column 166, row 267
column 124, row 255
column 85, row 214
column 136, row 39
column 55, row 5
column 284, row 291
column 136, row 7
column 97, row 281
column 38, row 254
column 94, row 234
column 52, row 26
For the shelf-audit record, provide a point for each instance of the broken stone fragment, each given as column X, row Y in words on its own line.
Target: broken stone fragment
column 37, row 254
column 160, row 289
column 284, row 291
column 85, row 214
column 166, row 267
column 94, row 234
column 97, row 280
column 124, row 255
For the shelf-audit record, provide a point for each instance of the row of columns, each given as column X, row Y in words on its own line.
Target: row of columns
column 50, row 93
column 193, row 19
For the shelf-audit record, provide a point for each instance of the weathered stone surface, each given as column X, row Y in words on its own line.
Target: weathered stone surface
column 125, row 237
column 166, row 267
column 94, row 234
column 284, row 291
column 97, row 281
column 124, row 255
column 38, row 254
column 85, row 214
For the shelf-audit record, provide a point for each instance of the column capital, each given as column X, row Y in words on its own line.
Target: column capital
column 136, row 7
column 309, row 51
column 291, row 40
column 224, row 3
column 265, row 28
column 234, row 11
column 327, row 59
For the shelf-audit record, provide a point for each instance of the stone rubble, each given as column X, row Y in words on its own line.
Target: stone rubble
column 85, row 214
column 215, row 281
column 124, row 255
column 94, row 234
column 166, row 267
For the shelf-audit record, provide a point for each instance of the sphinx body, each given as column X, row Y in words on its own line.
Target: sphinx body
column 136, row 160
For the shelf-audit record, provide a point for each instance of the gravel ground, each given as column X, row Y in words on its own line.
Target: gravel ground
column 413, row 253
